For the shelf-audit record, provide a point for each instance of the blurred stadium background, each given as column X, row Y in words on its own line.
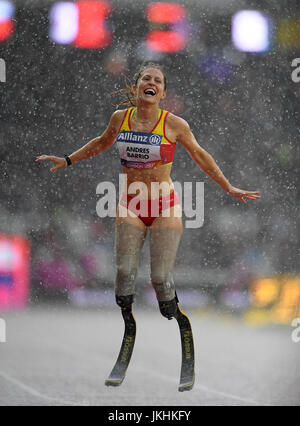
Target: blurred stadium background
column 229, row 72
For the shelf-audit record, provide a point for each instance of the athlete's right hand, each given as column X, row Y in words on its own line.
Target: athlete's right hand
column 59, row 162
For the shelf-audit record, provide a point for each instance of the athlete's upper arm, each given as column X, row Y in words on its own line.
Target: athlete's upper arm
column 185, row 137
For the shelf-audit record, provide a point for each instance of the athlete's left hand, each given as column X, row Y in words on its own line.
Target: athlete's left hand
column 241, row 194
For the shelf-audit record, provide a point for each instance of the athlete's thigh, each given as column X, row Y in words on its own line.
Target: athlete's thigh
column 130, row 233
column 165, row 234
column 169, row 218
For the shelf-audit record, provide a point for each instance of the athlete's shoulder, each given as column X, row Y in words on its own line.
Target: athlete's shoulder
column 117, row 118
column 176, row 121
column 177, row 125
column 119, row 114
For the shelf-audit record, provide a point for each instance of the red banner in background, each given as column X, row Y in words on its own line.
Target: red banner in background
column 92, row 33
column 14, row 271
column 7, row 24
column 174, row 37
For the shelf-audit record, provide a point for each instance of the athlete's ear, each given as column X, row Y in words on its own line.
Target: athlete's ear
column 164, row 94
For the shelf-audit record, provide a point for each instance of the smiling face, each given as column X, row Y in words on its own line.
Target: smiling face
column 150, row 86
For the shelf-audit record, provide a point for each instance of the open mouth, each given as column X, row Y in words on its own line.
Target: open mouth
column 150, row 92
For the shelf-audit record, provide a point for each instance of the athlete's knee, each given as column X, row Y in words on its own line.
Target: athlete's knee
column 164, row 286
column 126, row 275
column 129, row 242
column 168, row 308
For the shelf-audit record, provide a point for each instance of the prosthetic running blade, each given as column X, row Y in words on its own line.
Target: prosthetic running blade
column 117, row 374
column 187, row 374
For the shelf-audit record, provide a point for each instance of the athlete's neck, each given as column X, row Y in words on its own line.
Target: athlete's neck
column 146, row 114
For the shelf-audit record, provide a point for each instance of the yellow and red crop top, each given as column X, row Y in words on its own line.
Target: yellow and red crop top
column 141, row 150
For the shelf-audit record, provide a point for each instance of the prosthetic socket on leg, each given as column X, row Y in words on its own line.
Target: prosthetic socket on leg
column 125, row 302
column 169, row 308
column 129, row 241
column 164, row 243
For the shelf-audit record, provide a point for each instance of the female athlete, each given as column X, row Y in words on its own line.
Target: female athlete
column 146, row 137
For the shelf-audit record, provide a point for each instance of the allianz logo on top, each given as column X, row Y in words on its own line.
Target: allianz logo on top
column 155, row 139
column 139, row 137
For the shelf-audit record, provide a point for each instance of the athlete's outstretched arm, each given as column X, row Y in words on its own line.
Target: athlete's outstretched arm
column 92, row 148
column 206, row 162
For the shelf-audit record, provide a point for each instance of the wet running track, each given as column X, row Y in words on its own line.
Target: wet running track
column 56, row 356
